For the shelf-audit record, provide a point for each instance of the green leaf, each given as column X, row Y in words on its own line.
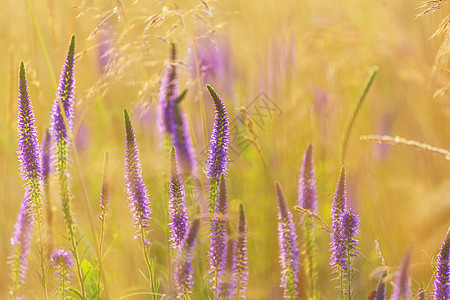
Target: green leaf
column 90, row 280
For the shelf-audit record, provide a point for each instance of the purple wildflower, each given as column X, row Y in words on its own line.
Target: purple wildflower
column 177, row 204
column 338, row 208
column 105, row 190
column 241, row 259
column 65, row 97
column 218, row 152
column 380, row 292
column 29, row 153
column 172, row 118
column 210, row 61
column 61, row 261
column 218, row 236
column 289, row 253
column 183, row 270
column 60, row 258
column 20, row 242
column 136, row 189
column 402, row 288
column 442, row 277
column 228, row 277
column 46, row 159
column 307, row 182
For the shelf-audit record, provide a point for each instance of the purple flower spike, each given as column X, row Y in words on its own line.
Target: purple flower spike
column 218, row 152
column 29, row 153
column 307, row 182
column 20, row 242
column 136, row 189
column 218, row 237
column 349, row 232
column 172, row 118
column 46, row 155
column 65, row 95
column 105, row 190
column 289, row 253
column 241, row 255
column 339, row 206
column 380, row 292
column 177, row 204
column 442, row 277
column 183, row 270
column 402, row 288
column 227, row 283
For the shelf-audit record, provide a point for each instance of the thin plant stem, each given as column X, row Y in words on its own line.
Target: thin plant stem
column 355, row 114
column 41, row 43
column 145, row 250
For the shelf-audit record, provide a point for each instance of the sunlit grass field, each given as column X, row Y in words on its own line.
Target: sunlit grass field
column 290, row 73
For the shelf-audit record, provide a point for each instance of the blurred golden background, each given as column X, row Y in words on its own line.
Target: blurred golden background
column 311, row 58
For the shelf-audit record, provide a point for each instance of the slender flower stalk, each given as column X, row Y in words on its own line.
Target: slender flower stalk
column 442, row 277
column 29, row 155
column 172, row 118
column 227, row 285
column 307, row 200
column 179, row 221
column 104, row 205
column 289, row 253
column 183, row 270
column 217, row 162
column 138, row 196
column 61, row 261
column 20, row 242
column 241, row 258
column 46, row 171
column 218, row 236
column 402, row 288
column 338, row 207
column 61, row 131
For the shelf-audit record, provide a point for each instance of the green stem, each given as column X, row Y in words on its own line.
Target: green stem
column 355, row 114
column 145, row 250
column 41, row 43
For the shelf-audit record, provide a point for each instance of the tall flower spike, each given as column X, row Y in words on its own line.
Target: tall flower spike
column 29, row 152
column 172, row 118
column 218, row 236
column 20, row 242
column 338, row 207
column 380, row 292
column 60, row 133
column 183, row 270
column 241, row 259
column 289, row 253
column 136, row 189
column 65, row 98
column 402, row 288
column 307, row 200
column 227, row 283
column 177, row 204
column 105, row 190
column 307, row 182
column 217, row 162
column 442, row 277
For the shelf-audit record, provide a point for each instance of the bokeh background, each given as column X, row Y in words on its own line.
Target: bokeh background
column 310, row 58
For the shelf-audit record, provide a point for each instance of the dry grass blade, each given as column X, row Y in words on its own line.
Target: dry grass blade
column 324, row 227
column 402, row 141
